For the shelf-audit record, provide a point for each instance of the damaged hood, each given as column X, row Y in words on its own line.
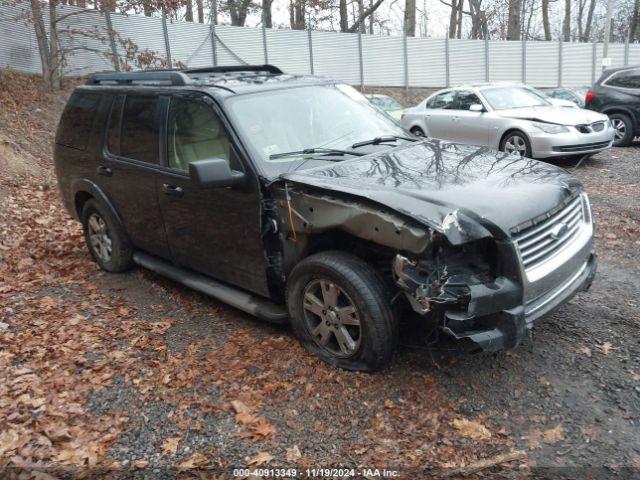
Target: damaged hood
column 554, row 114
column 462, row 191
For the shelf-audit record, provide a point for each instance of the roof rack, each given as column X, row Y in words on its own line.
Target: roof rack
column 172, row 77
column 272, row 69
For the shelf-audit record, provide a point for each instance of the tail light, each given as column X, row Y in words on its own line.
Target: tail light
column 590, row 96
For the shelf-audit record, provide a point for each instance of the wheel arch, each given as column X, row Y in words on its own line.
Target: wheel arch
column 624, row 111
column 86, row 190
column 512, row 130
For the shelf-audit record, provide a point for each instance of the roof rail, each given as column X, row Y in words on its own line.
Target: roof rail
column 173, row 77
column 236, row 68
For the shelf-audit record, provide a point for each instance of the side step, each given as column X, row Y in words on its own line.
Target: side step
column 247, row 302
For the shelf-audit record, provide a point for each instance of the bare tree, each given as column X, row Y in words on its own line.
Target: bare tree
column 513, row 23
column 410, row 18
column 344, row 17
column 566, row 23
column 188, row 16
column 586, row 35
column 238, row 11
column 545, row 20
column 453, row 19
column 266, row 13
column 200, row 10
column 297, row 14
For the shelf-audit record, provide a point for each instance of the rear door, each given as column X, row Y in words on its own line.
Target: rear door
column 216, row 231
column 439, row 115
column 130, row 163
column 469, row 127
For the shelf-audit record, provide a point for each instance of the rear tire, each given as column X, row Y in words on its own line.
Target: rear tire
column 516, row 142
column 105, row 238
column 418, row 132
column 624, row 129
column 332, row 294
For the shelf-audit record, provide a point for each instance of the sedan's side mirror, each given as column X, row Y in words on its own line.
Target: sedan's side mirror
column 214, row 173
column 476, row 107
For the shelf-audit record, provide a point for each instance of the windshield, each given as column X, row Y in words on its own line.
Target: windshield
column 503, row 98
column 319, row 116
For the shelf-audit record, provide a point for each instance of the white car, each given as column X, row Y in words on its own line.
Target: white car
column 510, row 118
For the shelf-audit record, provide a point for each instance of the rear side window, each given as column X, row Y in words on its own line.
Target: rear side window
column 77, row 120
column 443, row 100
column 113, row 132
column 139, row 132
column 627, row 79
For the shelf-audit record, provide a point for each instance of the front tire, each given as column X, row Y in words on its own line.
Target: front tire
column 516, row 142
column 418, row 132
column 105, row 238
column 623, row 127
column 341, row 311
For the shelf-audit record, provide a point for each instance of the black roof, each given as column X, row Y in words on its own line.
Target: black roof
column 224, row 81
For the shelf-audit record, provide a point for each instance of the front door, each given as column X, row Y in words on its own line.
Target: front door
column 468, row 126
column 438, row 115
column 216, row 231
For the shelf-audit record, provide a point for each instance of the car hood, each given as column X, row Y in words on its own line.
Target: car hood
column 555, row 114
column 462, row 191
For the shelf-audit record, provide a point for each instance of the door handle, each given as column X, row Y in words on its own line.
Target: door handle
column 106, row 171
column 172, row 190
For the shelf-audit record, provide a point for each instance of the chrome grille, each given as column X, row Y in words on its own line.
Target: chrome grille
column 544, row 238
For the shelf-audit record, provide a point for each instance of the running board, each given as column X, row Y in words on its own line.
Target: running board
column 247, row 302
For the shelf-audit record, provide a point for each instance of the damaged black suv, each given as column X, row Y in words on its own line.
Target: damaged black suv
column 294, row 199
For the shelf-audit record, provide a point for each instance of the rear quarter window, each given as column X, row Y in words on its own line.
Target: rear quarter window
column 77, row 120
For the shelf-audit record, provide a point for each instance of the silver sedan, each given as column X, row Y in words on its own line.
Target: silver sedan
column 511, row 118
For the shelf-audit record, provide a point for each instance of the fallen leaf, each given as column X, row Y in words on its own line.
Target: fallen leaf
column 293, row 453
column 584, row 350
column 553, row 435
column 246, row 418
column 140, row 463
column 605, row 348
column 262, row 429
column 260, row 458
column 544, row 382
column 170, row 445
column 197, row 459
column 471, row 429
column 240, row 407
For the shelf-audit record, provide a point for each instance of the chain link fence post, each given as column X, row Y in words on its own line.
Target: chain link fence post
column 167, row 46
column 560, row 63
column 360, row 60
column 405, row 51
column 446, row 61
column 486, row 57
column 626, row 51
column 112, row 41
column 593, row 62
column 523, row 59
column 310, row 49
column 264, row 44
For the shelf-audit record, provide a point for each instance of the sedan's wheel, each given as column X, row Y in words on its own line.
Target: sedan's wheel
column 340, row 310
column 105, row 238
column 623, row 129
column 516, row 142
column 417, row 131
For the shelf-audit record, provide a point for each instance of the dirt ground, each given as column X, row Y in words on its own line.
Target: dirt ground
column 131, row 375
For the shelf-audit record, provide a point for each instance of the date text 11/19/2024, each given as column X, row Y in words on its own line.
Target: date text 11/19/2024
column 315, row 473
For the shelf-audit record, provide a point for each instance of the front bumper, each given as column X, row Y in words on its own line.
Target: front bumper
column 509, row 327
column 573, row 142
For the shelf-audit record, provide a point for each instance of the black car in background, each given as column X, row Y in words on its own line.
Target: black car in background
column 617, row 93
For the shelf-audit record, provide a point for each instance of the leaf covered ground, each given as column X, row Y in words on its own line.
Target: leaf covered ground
column 132, row 375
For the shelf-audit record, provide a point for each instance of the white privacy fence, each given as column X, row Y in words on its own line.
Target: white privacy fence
column 393, row 61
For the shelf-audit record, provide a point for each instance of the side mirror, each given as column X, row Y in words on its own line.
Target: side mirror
column 214, row 173
column 476, row 107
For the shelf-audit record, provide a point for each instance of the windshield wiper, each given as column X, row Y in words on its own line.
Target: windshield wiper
column 383, row 139
column 312, row 151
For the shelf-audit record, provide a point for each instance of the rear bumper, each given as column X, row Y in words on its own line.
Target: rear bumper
column 506, row 328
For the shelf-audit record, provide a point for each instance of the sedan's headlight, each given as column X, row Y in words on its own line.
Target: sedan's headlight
column 550, row 127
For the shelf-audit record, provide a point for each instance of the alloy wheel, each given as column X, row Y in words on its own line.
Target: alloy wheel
column 620, row 128
column 332, row 318
column 99, row 237
column 515, row 144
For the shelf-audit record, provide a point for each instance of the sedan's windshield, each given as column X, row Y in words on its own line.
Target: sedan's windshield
column 304, row 118
column 503, row 98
